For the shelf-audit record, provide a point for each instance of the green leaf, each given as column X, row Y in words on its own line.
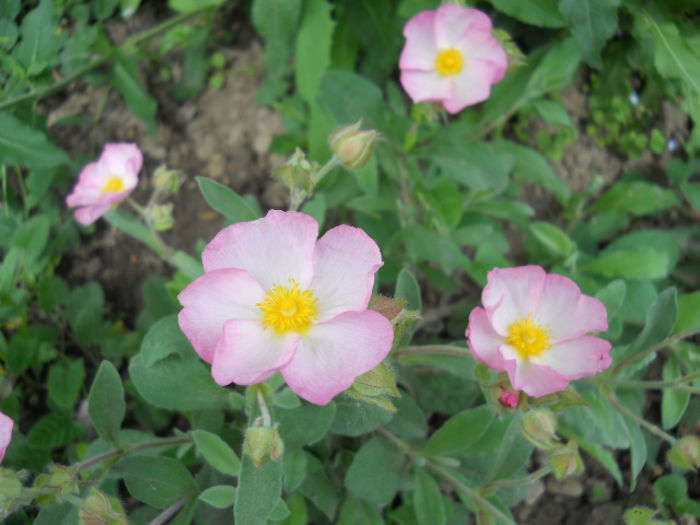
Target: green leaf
column 53, row 431
column 637, row 198
column 190, row 6
column 85, row 308
column 592, row 22
column 22, row 145
column 660, row 320
column 258, row 491
column 58, row 514
column 688, row 312
column 459, row 432
column 642, row 263
column 65, row 381
column 313, row 48
column 541, row 13
column 356, row 511
column 316, row 207
column 40, row 42
column 294, row 464
column 125, row 221
column 354, row 418
column 553, row 239
column 600, row 453
column 8, row 34
column 104, row 8
column 320, row 490
column 31, row 237
column 125, row 77
column 219, row 496
column 10, row 9
column 163, row 339
column 638, row 445
column 304, row 425
column 106, row 404
column 349, row 97
column 407, row 288
column 158, row 481
column 533, row 166
column 226, row 201
column 216, row 452
column 428, row 500
column 375, row 471
column 674, row 402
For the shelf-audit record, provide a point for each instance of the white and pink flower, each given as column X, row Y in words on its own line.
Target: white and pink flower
column 451, row 57
column 105, row 183
column 6, row 425
column 274, row 298
column 535, row 326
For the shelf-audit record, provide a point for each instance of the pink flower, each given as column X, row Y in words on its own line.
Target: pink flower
column 105, row 183
column 6, row 425
column 534, row 325
column 274, row 298
column 451, row 57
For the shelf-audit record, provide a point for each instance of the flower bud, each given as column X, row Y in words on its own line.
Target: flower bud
column 99, row 509
column 59, row 482
column 509, row 398
column 375, row 387
column 685, row 453
column 10, row 487
column 298, row 172
column 353, row 147
column 161, row 217
column 564, row 460
column 166, row 180
column 263, row 444
column 539, row 427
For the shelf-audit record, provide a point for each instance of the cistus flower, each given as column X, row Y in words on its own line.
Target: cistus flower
column 534, row 326
column 105, row 183
column 6, row 425
column 451, row 56
column 274, row 298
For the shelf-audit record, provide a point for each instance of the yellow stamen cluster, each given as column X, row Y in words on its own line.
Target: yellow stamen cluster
column 114, row 184
column 288, row 309
column 449, row 62
column 528, row 338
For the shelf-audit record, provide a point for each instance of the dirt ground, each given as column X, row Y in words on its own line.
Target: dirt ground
column 224, row 135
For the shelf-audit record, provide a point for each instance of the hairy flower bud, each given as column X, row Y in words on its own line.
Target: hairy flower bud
column 263, row 444
column 685, row 453
column 564, row 460
column 161, row 217
column 298, row 172
column 353, row 147
column 166, row 180
column 99, row 509
column 539, row 427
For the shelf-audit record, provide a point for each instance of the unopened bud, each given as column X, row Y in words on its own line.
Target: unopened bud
column 298, row 172
column 166, row 180
column 263, row 444
column 509, row 398
column 161, row 217
column 375, row 387
column 685, row 453
column 353, row 147
column 59, row 482
column 99, row 509
column 564, row 460
column 539, row 427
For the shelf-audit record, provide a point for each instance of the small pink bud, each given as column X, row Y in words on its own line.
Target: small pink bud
column 509, row 398
column 353, row 147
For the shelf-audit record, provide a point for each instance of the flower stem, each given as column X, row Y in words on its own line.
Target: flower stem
column 677, row 384
column 629, row 413
column 654, row 348
column 430, row 350
column 326, row 169
column 170, row 511
column 520, row 482
column 168, row 442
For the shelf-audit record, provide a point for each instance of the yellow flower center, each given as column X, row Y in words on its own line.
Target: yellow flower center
column 114, row 184
column 288, row 309
column 528, row 338
column 449, row 62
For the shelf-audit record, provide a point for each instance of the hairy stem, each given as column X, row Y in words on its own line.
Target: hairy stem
column 646, row 424
column 168, row 442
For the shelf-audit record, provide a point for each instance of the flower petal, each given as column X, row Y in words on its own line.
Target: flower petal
column 345, row 261
column 512, row 294
column 426, row 86
column 479, row 44
column 534, row 379
column 247, row 353
column 211, row 300
column 334, row 353
column 274, row 249
column 566, row 312
column 89, row 186
column 579, row 357
column 89, row 214
column 6, row 425
column 452, row 22
column 472, row 85
column 124, row 160
column 420, row 50
column 484, row 341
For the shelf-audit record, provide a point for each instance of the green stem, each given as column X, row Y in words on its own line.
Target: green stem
column 520, row 482
column 649, row 426
column 325, row 170
column 129, row 42
column 430, row 350
column 673, row 383
column 168, row 442
column 655, row 348
column 170, row 511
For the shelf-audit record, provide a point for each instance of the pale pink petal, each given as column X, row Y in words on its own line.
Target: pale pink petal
column 211, row 300
column 452, row 22
column 345, row 261
column 534, row 379
column 247, row 353
column 274, row 249
column 471, row 86
column 484, row 341
column 576, row 358
column 89, row 186
column 426, row 86
column 6, row 425
column 89, row 214
column 512, row 294
column 124, row 160
column 420, row 51
column 481, row 45
column 334, row 353
column 566, row 312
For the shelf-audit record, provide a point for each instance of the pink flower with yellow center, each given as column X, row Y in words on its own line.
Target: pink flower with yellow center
column 534, row 326
column 105, row 183
column 6, row 425
column 451, row 56
column 274, row 298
